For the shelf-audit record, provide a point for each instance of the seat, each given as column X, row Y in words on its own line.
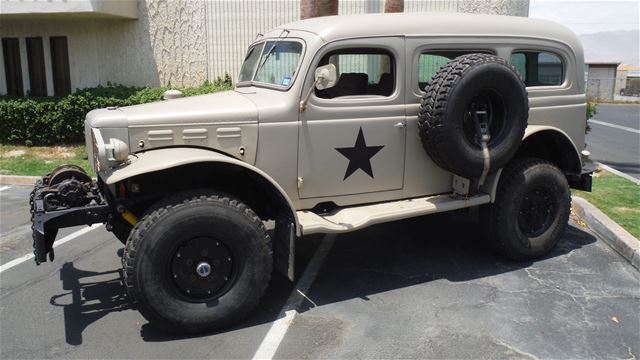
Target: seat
column 385, row 85
column 350, row 84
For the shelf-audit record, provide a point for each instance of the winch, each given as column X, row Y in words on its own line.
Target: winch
column 65, row 197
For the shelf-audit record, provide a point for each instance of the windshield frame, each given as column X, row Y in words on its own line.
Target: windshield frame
column 261, row 44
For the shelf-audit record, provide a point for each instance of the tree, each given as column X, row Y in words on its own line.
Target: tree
column 315, row 8
column 392, row 6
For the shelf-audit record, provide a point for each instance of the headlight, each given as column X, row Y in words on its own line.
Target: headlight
column 117, row 150
column 106, row 155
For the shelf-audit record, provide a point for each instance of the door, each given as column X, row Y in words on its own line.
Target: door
column 352, row 136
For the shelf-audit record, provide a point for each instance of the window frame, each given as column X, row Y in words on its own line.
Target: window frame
column 426, row 44
column 563, row 63
column 36, row 44
column 360, row 50
column 260, row 84
column 19, row 80
column 432, row 51
column 65, row 87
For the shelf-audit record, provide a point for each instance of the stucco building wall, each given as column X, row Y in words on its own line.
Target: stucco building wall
column 165, row 45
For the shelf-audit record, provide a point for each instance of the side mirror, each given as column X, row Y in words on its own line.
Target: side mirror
column 326, row 77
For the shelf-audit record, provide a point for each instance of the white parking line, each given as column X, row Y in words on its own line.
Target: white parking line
column 65, row 239
column 274, row 337
column 620, row 127
column 3, row 188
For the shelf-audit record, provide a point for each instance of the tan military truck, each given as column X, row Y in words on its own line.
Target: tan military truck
column 335, row 124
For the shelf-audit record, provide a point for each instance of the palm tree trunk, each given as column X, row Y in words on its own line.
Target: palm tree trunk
column 392, row 6
column 315, row 8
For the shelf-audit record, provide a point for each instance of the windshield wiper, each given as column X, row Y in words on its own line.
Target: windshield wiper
column 266, row 57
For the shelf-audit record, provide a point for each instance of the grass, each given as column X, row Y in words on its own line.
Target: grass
column 618, row 198
column 40, row 160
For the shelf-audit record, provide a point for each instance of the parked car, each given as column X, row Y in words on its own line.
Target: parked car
column 335, row 124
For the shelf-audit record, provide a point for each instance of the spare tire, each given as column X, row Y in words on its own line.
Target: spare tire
column 468, row 83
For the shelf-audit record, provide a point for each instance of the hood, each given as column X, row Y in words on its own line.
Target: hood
column 227, row 106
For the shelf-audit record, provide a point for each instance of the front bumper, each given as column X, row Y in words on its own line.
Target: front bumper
column 49, row 213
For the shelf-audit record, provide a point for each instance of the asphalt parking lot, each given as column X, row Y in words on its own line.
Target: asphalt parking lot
column 420, row 288
column 614, row 139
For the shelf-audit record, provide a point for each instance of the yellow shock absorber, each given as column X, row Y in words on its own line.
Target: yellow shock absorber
column 129, row 217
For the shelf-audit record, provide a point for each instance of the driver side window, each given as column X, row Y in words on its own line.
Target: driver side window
column 360, row 72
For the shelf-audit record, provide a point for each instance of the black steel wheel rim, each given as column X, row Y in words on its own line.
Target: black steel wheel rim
column 538, row 210
column 493, row 104
column 202, row 269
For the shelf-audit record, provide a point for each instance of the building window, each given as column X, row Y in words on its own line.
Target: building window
column 12, row 67
column 35, row 60
column 360, row 72
column 538, row 68
column 430, row 62
column 60, row 66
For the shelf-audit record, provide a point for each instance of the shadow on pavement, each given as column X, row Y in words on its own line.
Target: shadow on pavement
column 91, row 300
column 374, row 260
column 96, row 294
column 415, row 251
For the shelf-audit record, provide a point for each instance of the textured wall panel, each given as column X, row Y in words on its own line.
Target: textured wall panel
column 233, row 25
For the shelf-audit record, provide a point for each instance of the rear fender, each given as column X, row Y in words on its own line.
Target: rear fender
column 548, row 143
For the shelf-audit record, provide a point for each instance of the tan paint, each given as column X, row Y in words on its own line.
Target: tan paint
column 296, row 151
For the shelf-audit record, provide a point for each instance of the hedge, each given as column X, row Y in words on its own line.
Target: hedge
column 60, row 120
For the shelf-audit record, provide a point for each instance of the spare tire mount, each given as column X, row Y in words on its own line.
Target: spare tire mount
column 471, row 96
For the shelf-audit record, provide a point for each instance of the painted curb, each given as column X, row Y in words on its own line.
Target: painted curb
column 613, row 234
column 18, row 180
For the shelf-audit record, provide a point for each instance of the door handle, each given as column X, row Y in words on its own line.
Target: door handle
column 400, row 125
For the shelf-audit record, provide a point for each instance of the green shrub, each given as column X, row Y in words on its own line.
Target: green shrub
column 592, row 109
column 60, row 120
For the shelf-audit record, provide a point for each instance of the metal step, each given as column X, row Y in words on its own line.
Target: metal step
column 358, row 217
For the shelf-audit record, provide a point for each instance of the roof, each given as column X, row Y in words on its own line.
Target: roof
column 435, row 23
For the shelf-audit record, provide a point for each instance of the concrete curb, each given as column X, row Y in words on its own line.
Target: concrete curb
column 613, row 234
column 619, row 173
column 18, row 180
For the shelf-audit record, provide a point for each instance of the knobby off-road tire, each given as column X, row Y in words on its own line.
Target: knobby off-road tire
column 531, row 210
column 166, row 249
column 447, row 130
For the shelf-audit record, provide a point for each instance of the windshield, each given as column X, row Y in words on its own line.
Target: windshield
column 274, row 62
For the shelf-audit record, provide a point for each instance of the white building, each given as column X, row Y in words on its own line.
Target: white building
column 56, row 46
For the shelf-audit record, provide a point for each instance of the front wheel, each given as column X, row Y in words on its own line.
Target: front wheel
column 198, row 262
column 531, row 210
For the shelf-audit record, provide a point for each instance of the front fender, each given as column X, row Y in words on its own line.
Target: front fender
column 162, row 159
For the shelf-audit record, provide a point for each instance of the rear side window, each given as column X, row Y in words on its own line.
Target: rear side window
column 538, row 68
column 430, row 62
column 360, row 72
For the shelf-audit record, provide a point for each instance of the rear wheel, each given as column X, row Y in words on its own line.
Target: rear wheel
column 198, row 262
column 531, row 210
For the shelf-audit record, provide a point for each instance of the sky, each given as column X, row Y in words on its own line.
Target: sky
column 585, row 17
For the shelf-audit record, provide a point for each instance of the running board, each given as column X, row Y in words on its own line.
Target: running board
column 358, row 217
